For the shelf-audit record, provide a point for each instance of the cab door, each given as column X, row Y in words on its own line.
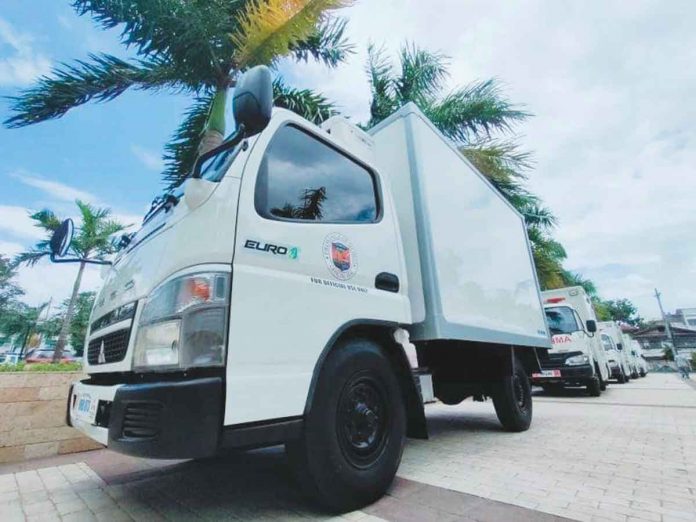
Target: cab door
column 316, row 249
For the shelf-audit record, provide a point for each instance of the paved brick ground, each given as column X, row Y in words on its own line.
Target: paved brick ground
column 630, row 455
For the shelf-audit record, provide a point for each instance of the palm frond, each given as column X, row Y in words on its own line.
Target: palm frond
column 181, row 151
column 31, row 257
column 538, row 216
column 186, row 32
column 327, row 44
column 46, row 220
column 474, row 111
column 267, row 30
column 422, row 74
column 381, row 76
column 101, row 79
column 308, row 104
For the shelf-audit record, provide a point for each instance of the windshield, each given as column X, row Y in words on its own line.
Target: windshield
column 561, row 319
column 607, row 343
column 214, row 169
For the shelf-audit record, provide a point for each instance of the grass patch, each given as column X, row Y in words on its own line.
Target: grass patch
column 41, row 367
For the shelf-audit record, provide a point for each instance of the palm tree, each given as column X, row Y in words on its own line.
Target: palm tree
column 479, row 120
column 196, row 47
column 93, row 241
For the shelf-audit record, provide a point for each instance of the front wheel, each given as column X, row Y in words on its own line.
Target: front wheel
column 355, row 431
column 512, row 399
column 594, row 388
column 602, row 382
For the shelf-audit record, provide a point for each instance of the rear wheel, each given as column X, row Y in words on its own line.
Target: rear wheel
column 355, row 431
column 512, row 398
column 621, row 378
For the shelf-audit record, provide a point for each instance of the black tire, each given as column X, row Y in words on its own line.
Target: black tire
column 634, row 375
column 512, row 399
column 642, row 373
column 593, row 388
column 621, row 378
column 355, row 431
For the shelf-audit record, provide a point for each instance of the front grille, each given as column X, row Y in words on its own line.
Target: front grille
column 555, row 360
column 141, row 420
column 115, row 346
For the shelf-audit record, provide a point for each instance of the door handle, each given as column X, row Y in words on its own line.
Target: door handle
column 387, row 281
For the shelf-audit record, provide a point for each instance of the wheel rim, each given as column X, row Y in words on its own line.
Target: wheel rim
column 362, row 420
column 519, row 392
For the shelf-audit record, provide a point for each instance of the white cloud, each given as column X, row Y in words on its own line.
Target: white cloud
column 150, row 159
column 15, row 221
column 55, row 189
column 22, row 64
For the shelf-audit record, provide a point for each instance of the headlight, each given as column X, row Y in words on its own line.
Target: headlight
column 577, row 360
column 183, row 323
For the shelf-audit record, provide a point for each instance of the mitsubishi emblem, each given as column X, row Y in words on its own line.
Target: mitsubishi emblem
column 102, row 358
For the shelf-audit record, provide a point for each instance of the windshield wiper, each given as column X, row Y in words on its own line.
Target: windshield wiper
column 165, row 201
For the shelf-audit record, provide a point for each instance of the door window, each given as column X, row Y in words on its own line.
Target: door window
column 301, row 178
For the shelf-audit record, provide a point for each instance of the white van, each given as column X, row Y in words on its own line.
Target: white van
column 612, row 329
column 637, row 354
column 614, row 358
column 287, row 291
column 577, row 357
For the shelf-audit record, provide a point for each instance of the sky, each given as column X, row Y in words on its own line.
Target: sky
column 610, row 84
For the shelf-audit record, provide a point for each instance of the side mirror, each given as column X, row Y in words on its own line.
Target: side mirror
column 253, row 100
column 61, row 238
column 591, row 325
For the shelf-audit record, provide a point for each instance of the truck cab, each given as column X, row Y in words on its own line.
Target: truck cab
column 304, row 287
column 577, row 357
column 613, row 330
column 614, row 358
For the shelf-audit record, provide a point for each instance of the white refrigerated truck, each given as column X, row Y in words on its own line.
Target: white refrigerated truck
column 577, row 357
column 271, row 300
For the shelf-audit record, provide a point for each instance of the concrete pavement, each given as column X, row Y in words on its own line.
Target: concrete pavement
column 627, row 456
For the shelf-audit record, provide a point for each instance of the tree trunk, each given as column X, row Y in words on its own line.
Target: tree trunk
column 62, row 337
column 214, row 132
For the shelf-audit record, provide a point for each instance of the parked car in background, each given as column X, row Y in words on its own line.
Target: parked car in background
column 45, row 355
column 640, row 358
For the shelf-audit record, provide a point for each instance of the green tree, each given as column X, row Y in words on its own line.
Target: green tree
column 93, row 241
column 9, row 290
column 619, row 310
column 480, row 121
column 80, row 320
column 196, row 47
column 19, row 321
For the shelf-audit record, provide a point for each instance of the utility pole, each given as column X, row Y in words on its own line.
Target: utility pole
column 668, row 328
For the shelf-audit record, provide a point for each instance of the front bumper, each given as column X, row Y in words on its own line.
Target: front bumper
column 569, row 375
column 169, row 419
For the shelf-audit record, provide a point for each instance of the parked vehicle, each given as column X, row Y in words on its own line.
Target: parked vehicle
column 633, row 358
column 637, row 351
column 45, row 355
column 614, row 358
column 277, row 296
column 613, row 330
column 577, row 357
column 12, row 356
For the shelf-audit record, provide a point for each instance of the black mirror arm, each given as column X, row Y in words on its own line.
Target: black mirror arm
column 54, row 259
column 233, row 141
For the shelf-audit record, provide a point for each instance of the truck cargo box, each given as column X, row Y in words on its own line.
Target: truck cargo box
column 470, row 270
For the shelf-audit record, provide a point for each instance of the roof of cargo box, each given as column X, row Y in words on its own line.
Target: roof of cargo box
column 469, row 264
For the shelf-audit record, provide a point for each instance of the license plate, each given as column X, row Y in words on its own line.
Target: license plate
column 86, row 407
column 548, row 373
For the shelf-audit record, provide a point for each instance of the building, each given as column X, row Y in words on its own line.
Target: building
column 654, row 339
column 683, row 317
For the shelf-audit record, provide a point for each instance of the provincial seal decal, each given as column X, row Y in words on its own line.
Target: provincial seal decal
column 339, row 256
